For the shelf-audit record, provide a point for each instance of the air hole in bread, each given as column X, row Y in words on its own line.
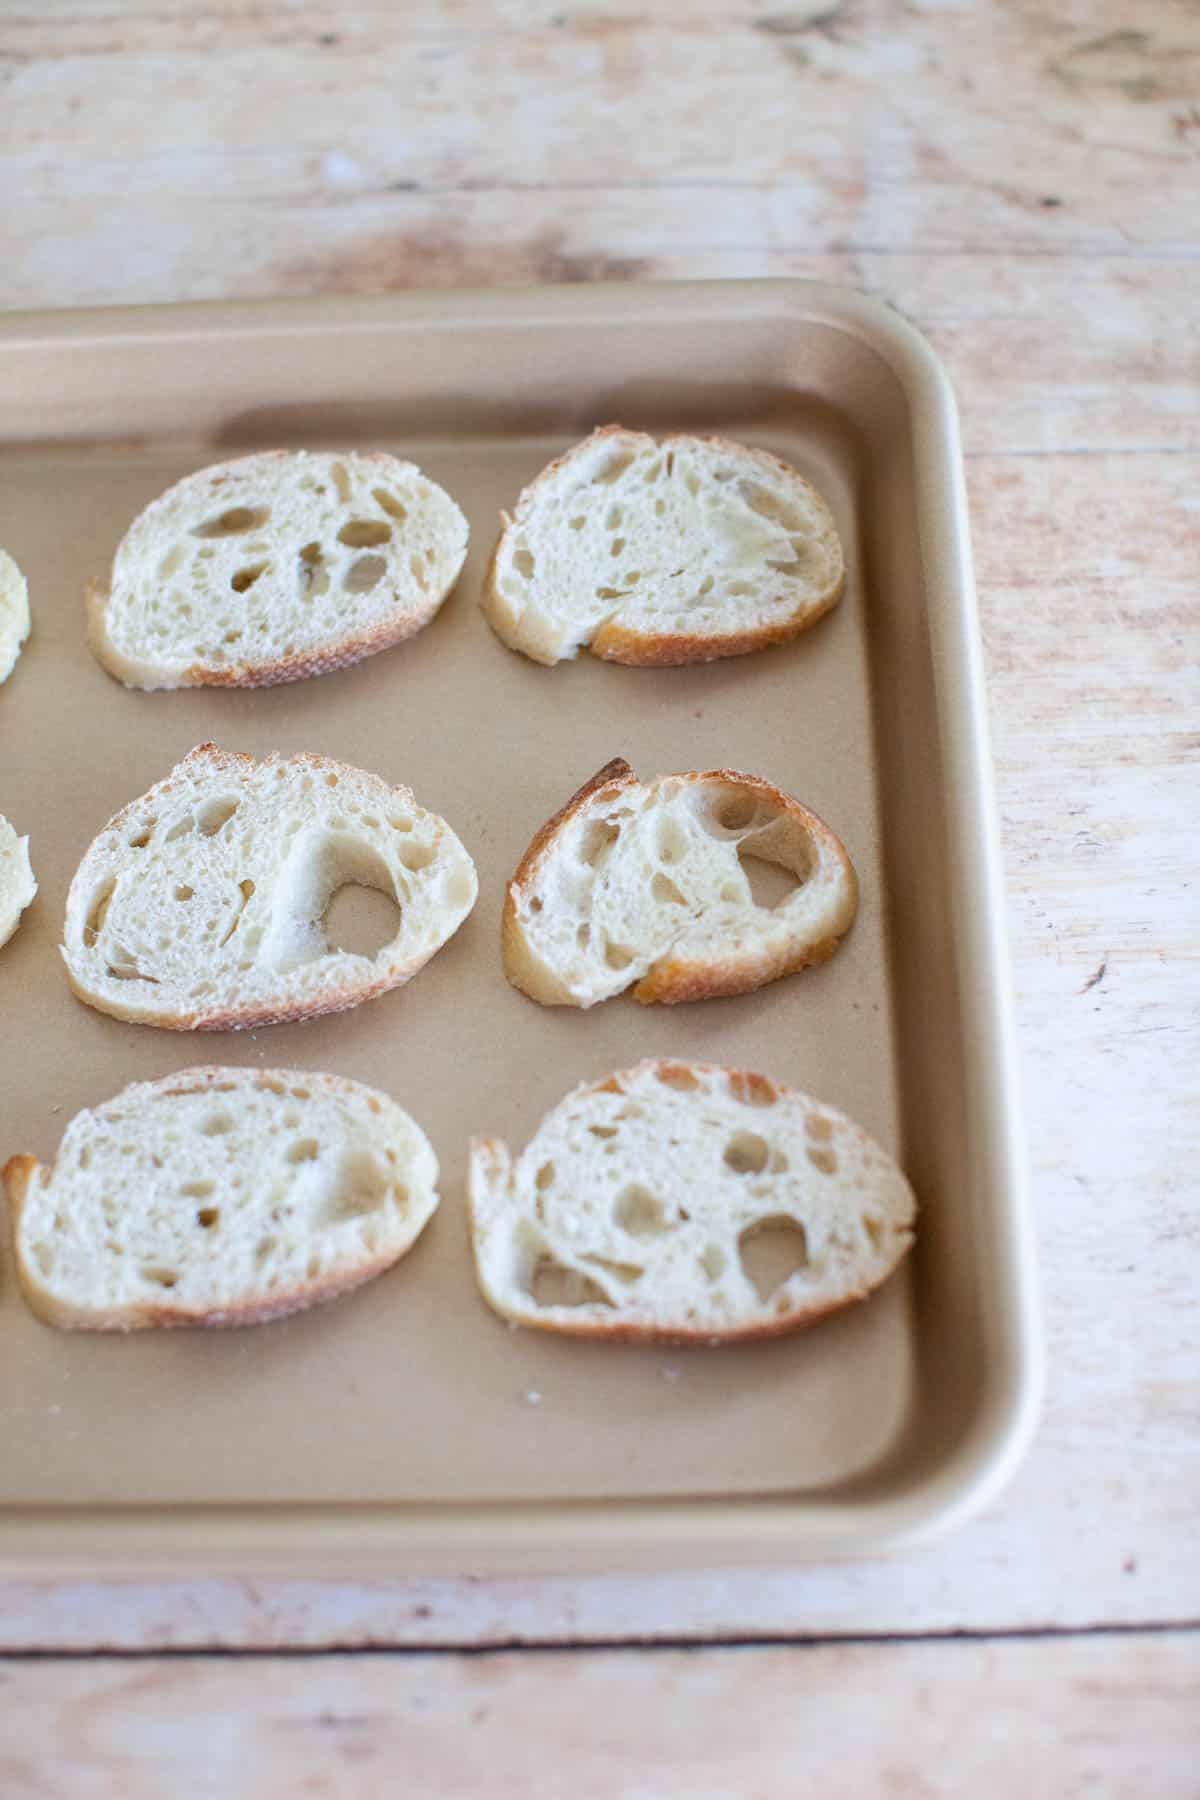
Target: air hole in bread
column 170, row 562
column 551, row 1283
column 364, row 534
column 665, row 892
column 158, row 1277
column 85, row 1157
column 740, row 589
column 263, row 1249
column 216, row 1125
column 677, row 1076
column 215, row 814
column 713, row 1261
column 824, row 1158
column 598, row 834
column 362, row 1188
column 660, row 507
column 393, row 507
column 752, row 1090
column 98, row 911
column 578, row 522
column 583, row 936
column 616, row 547
column 208, row 1218
column 770, row 884
column 727, row 811
column 779, row 1162
column 234, row 523
column 772, row 506
column 603, row 1131
column 819, row 1127
column 313, row 575
column 544, row 1177
column 246, row 578
column 771, row 1251
column 747, row 1153
column 610, row 593
column 641, row 1213
column 365, row 573
column 341, row 481
column 400, row 824
column 614, row 517
column 692, row 483
column 613, row 469
column 796, row 566
column 524, row 562
column 625, row 1272
column 617, row 956
column 417, row 856
column 535, row 905
column 361, row 918
column 141, row 838
column 197, row 1190
column 125, row 967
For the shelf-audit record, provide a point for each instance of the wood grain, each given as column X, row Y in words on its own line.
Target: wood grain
column 1107, row 1717
column 1022, row 180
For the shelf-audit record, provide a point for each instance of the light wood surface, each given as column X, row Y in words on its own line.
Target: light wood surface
column 1022, row 181
column 1089, row 1717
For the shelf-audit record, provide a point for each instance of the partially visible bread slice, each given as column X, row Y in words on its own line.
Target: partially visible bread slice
column 14, row 613
column 677, row 551
column 278, row 566
column 17, row 885
column 648, row 885
column 218, row 1197
column 200, row 907
column 683, row 1202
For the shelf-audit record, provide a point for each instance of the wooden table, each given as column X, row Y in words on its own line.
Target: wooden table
column 1022, row 182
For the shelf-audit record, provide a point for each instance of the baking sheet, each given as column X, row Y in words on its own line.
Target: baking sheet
column 409, row 1403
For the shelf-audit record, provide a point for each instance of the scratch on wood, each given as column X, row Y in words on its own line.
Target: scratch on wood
column 1095, row 978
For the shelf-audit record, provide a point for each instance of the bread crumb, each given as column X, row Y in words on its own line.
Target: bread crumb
column 531, row 1397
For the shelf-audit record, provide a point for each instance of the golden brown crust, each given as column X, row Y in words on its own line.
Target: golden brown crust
column 613, row 642
column 671, row 981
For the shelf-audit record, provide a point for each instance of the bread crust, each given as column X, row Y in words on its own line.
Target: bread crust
column 336, row 653
column 756, row 1090
column 671, row 981
column 19, row 1173
column 332, row 1000
column 613, row 642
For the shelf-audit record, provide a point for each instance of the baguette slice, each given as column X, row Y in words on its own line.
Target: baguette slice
column 683, row 1202
column 14, row 614
column 17, row 885
column 199, row 907
column 218, row 1197
column 647, row 884
column 275, row 567
column 677, row 551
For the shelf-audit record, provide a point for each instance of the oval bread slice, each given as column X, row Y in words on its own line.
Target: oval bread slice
column 275, row 567
column 14, row 614
column 218, row 1197
column 650, row 885
column 17, row 885
column 683, row 1202
column 200, row 906
column 657, row 552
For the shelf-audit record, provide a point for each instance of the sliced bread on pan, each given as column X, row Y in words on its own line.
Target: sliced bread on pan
column 673, row 551
column 682, row 1202
column 274, row 567
column 218, row 1197
column 17, row 885
column 14, row 614
column 685, row 887
column 200, row 907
